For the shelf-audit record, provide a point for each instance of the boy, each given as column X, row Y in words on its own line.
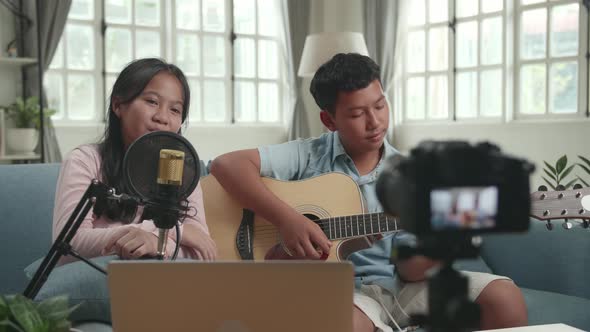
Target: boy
column 354, row 108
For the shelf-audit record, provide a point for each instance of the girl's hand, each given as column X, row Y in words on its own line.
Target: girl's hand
column 132, row 243
column 196, row 238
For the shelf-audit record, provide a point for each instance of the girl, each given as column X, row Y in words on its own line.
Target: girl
column 149, row 95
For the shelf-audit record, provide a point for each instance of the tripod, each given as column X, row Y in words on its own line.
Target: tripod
column 449, row 306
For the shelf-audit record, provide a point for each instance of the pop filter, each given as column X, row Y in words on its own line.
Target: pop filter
column 140, row 164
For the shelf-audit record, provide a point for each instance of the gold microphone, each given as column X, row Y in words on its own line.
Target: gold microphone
column 170, row 171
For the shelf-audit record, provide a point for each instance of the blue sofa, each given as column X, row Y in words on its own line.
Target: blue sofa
column 551, row 267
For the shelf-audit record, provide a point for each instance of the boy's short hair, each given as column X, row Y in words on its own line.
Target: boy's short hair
column 344, row 72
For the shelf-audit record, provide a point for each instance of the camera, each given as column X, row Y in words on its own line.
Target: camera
column 454, row 187
column 446, row 193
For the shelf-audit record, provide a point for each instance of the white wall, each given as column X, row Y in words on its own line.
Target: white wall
column 209, row 142
column 535, row 141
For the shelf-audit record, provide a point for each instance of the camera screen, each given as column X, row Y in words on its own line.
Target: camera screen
column 463, row 208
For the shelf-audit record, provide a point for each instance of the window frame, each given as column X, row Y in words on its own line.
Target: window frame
column 168, row 47
column 480, row 67
column 97, row 73
column 427, row 74
column 510, row 66
column 547, row 60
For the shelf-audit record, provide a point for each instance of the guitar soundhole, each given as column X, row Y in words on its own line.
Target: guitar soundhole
column 311, row 216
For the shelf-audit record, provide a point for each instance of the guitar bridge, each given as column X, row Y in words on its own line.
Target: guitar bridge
column 245, row 236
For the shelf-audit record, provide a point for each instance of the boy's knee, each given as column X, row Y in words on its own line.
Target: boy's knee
column 361, row 322
column 502, row 305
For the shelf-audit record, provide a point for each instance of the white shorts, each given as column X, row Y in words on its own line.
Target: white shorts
column 411, row 299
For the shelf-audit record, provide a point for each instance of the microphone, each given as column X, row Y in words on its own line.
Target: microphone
column 166, row 207
column 162, row 169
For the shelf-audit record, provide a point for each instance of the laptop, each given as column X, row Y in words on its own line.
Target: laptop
column 266, row 296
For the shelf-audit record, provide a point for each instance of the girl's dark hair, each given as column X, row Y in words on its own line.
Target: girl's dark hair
column 129, row 85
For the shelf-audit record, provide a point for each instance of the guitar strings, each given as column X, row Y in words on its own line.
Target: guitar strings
column 274, row 237
column 351, row 233
column 328, row 223
column 337, row 229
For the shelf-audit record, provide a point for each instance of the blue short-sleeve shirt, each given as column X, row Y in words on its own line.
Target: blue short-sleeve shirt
column 305, row 158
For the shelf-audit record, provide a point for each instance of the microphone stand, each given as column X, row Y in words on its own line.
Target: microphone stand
column 61, row 246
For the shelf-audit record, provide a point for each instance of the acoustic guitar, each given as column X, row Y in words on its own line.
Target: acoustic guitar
column 333, row 201
column 564, row 204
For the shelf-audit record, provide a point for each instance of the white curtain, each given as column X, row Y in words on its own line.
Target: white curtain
column 380, row 35
column 54, row 14
column 383, row 34
column 294, row 16
column 400, row 47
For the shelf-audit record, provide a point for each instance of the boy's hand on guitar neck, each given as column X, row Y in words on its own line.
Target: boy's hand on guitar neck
column 301, row 236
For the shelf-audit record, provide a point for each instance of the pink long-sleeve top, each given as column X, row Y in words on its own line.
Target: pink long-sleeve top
column 79, row 168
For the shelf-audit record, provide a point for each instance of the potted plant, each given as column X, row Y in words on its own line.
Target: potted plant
column 557, row 174
column 20, row 314
column 23, row 137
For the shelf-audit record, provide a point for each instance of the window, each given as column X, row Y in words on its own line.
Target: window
column 72, row 81
column 427, row 61
column 492, row 60
column 230, row 56
column 549, row 57
column 479, row 58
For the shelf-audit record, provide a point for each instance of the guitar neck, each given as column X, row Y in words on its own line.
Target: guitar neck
column 357, row 225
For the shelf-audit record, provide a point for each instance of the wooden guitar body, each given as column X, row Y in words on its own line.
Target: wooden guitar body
column 240, row 235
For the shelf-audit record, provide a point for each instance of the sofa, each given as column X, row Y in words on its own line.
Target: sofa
column 551, row 267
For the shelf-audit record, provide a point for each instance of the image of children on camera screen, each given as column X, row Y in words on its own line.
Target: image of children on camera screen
column 463, row 207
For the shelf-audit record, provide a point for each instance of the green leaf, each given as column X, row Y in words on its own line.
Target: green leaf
column 61, row 315
column 8, row 326
column 550, row 167
column 550, row 175
column 4, row 311
column 55, row 311
column 20, row 103
column 584, row 182
column 567, row 171
column 54, row 304
column 560, row 164
column 61, row 326
column 585, row 160
column 549, row 183
column 569, row 184
column 26, row 114
column 587, row 169
column 26, row 315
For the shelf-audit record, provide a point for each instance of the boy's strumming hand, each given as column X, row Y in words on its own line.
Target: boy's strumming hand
column 302, row 236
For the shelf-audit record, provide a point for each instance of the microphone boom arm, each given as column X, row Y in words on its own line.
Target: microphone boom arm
column 61, row 246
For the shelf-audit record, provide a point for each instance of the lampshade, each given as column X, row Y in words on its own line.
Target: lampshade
column 321, row 47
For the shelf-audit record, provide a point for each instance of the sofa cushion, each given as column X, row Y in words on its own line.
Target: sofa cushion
column 474, row 265
column 83, row 285
column 26, row 211
column 555, row 261
column 549, row 308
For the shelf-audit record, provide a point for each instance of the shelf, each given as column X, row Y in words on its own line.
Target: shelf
column 20, row 157
column 6, row 61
